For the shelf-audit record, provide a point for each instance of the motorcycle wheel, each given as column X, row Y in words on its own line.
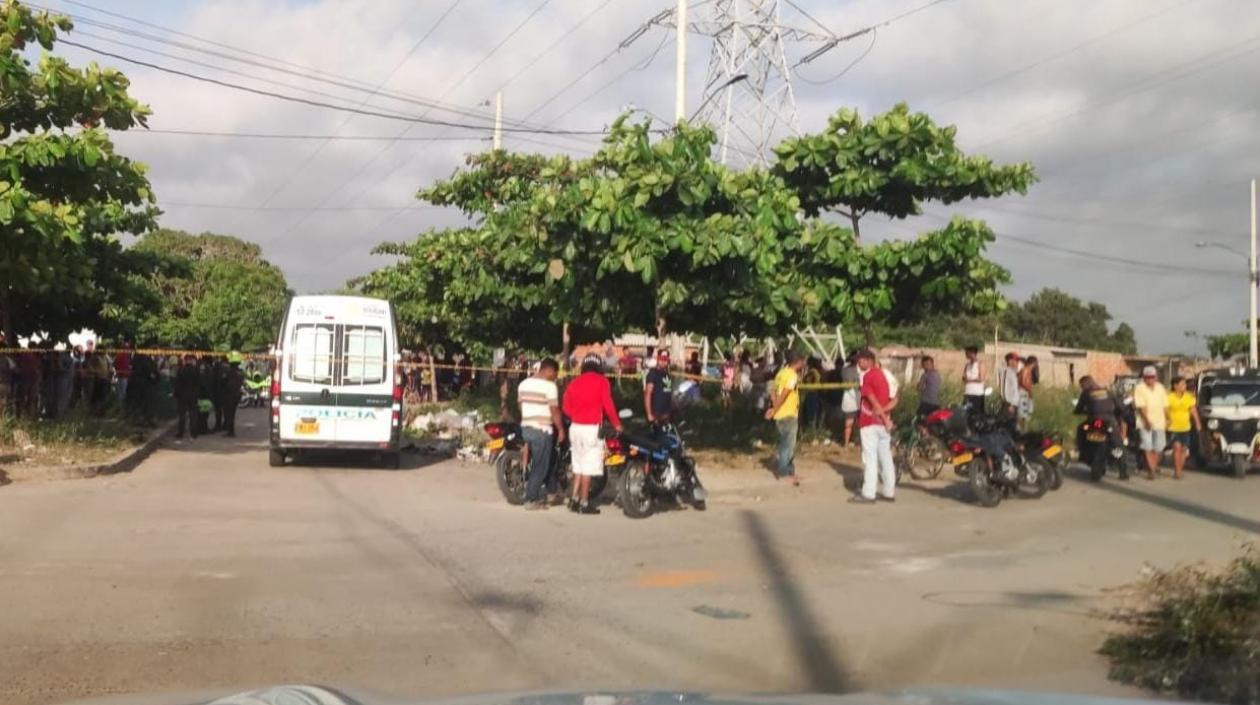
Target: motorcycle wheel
column 636, row 503
column 511, row 476
column 1056, row 471
column 244, row 403
column 931, row 451
column 1098, row 464
column 1038, row 486
column 986, row 493
column 1240, row 464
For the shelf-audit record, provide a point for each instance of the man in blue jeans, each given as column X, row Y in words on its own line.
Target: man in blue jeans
column 540, row 418
column 785, row 411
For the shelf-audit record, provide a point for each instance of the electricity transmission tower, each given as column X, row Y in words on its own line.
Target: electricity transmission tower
column 748, row 96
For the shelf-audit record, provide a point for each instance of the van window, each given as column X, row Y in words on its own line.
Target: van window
column 363, row 353
column 312, row 353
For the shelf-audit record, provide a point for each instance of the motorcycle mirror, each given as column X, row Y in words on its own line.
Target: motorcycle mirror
column 625, row 414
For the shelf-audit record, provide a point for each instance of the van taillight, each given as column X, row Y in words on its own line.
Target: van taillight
column 398, row 392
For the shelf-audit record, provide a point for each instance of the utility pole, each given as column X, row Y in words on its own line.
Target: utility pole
column 680, row 68
column 498, row 120
column 1252, row 282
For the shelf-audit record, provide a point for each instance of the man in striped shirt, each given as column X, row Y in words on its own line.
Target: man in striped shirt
column 540, row 417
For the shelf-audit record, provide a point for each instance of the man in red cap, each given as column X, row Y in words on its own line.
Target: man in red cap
column 658, row 391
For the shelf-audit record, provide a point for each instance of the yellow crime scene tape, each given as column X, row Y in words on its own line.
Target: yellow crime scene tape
column 405, row 365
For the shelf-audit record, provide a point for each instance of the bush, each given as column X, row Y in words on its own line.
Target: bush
column 1197, row 636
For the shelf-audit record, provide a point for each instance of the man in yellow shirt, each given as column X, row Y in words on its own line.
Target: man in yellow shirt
column 1182, row 410
column 1151, row 401
column 785, row 406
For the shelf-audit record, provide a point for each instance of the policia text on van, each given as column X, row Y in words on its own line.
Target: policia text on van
column 336, row 385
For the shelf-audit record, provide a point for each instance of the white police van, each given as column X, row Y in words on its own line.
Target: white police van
column 337, row 384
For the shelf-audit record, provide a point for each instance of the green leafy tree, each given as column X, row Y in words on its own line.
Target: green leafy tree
column 1053, row 317
column 1228, row 345
column 651, row 234
column 889, row 165
column 62, row 186
column 215, row 291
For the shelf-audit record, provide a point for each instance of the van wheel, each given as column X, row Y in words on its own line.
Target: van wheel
column 275, row 458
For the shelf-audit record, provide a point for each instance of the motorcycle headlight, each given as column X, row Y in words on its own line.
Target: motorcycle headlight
column 1214, row 424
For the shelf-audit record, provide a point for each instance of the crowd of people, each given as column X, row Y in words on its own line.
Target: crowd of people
column 43, row 381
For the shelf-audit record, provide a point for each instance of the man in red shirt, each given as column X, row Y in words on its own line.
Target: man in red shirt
column 587, row 401
column 875, row 422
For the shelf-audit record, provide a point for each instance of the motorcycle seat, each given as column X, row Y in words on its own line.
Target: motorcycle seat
column 641, row 440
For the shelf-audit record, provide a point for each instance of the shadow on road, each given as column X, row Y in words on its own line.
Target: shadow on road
column 850, row 474
column 1198, row 511
column 1045, row 601
column 958, row 491
column 823, row 670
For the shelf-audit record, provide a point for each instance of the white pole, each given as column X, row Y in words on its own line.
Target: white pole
column 1251, row 282
column 498, row 120
column 680, row 68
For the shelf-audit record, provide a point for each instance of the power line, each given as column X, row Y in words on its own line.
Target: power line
column 837, row 39
column 1066, row 52
column 633, row 68
column 304, row 73
column 447, row 91
column 414, row 119
column 236, row 207
column 1219, row 56
column 1095, row 221
column 300, row 168
column 299, row 136
column 846, row 69
column 556, row 43
column 1119, row 262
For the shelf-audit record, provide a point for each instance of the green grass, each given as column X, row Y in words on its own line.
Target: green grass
column 1197, row 636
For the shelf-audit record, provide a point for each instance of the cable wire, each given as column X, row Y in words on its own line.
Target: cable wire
column 414, row 119
column 846, row 69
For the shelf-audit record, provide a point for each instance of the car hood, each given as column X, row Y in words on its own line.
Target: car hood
column 323, row 695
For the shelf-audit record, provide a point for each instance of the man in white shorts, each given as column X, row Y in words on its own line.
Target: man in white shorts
column 587, row 401
column 1150, row 399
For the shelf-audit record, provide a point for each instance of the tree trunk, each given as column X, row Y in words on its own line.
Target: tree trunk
column 432, row 374
column 564, row 346
column 6, row 317
column 854, row 217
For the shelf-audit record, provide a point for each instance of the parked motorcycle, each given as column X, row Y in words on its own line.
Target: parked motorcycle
column 657, row 470
column 1045, row 449
column 983, row 450
column 256, row 392
column 505, row 450
column 1101, row 448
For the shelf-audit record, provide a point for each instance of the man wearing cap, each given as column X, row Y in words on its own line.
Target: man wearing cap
column 785, row 408
column 658, row 392
column 1150, row 400
column 587, row 401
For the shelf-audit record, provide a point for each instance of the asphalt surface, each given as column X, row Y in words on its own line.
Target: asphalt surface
column 205, row 567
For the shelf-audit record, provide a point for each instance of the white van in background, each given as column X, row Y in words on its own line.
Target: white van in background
column 337, row 383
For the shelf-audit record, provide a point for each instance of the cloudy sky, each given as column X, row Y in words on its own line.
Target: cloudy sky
column 1139, row 115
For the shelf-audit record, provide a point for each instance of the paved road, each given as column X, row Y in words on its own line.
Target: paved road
column 205, row 568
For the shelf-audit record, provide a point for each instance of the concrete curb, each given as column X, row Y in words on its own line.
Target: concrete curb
column 124, row 461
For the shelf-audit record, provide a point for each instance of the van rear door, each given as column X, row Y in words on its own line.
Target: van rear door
column 365, row 385
column 308, row 399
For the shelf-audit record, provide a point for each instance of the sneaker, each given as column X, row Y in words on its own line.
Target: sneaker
column 859, row 499
column 586, row 508
column 573, row 505
column 882, row 498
